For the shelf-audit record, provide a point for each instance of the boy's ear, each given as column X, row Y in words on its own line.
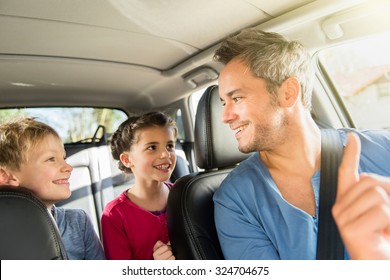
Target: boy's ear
column 7, row 178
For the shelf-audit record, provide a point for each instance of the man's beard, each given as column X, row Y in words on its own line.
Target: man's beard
column 266, row 137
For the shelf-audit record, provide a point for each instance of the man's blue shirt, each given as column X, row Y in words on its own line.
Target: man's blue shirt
column 254, row 221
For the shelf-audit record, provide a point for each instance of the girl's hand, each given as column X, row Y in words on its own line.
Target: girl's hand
column 162, row 251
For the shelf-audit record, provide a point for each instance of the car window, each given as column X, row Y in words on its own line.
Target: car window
column 194, row 100
column 74, row 124
column 180, row 125
column 360, row 74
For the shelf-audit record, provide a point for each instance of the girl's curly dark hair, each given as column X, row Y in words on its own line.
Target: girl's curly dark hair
column 125, row 136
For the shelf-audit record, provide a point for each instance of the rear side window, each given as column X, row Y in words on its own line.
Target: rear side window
column 73, row 124
column 194, row 100
column 360, row 74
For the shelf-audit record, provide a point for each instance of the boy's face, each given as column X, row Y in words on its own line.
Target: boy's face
column 46, row 173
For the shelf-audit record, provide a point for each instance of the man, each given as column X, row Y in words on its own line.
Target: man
column 267, row 207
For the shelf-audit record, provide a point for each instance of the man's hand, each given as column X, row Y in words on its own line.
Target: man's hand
column 362, row 208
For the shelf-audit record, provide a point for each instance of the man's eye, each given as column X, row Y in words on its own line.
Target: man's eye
column 236, row 99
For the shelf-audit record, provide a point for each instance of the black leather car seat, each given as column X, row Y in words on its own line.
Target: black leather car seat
column 28, row 232
column 190, row 205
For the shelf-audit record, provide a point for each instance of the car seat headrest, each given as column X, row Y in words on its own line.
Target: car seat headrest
column 215, row 144
column 28, row 232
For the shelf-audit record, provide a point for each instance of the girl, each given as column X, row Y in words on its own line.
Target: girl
column 134, row 225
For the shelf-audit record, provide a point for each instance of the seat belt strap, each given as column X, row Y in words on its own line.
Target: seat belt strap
column 329, row 243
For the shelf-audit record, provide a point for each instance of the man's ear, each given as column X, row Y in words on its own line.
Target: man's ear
column 7, row 178
column 290, row 92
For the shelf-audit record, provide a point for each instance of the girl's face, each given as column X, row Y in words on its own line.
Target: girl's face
column 46, row 173
column 152, row 157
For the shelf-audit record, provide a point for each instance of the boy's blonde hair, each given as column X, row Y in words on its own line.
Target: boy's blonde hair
column 18, row 137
